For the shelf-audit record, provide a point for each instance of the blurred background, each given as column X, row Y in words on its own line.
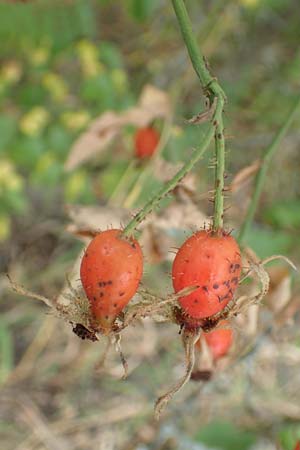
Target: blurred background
column 78, row 78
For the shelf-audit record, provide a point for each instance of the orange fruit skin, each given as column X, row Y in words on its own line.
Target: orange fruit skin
column 110, row 272
column 212, row 262
column 219, row 341
column 146, row 141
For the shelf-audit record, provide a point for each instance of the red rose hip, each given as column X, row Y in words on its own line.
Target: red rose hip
column 213, row 262
column 110, row 272
column 219, row 340
column 146, row 141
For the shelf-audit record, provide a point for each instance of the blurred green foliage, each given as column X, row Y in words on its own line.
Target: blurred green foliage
column 58, row 72
column 289, row 435
column 64, row 63
column 57, row 80
column 225, row 436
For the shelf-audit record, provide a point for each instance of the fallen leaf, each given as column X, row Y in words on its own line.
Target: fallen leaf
column 153, row 103
column 89, row 219
column 280, row 291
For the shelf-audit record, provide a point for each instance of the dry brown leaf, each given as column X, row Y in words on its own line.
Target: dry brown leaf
column 156, row 244
column 93, row 141
column 280, row 288
column 95, row 218
column 182, row 216
column 153, row 103
column 289, row 311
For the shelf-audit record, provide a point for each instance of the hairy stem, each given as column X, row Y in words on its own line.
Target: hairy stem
column 261, row 175
column 215, row 94
column 219, row 169
column 208, row 82
column 214, row 91
column 168, row 187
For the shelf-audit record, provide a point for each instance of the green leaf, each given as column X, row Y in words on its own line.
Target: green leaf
column 284, row 215
column 140, row 10
column 8, row 126
column 27, row 151
column 288, row 436
column 99, row 91
column 31, row 95
column 225, row 436
column 6, row 351
column 59, row 140
column 110, row 55
column 266, row 242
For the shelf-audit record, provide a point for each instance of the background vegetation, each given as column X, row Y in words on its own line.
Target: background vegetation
column 64, row 63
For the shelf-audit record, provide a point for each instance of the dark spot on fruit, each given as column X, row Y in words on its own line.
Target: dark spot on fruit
column 121, row 294
column 186, row 260
column 133, row 245
column 109, row 282
column 196, row 300
column 101, row 294
column 216, row 286
column 234, row 280
column 95, row 299
column 231, row 268
column 205, row 288
column 86, row 255
column 226, row 283
column 100, row 284
column 115, row 305
column 237, row 266
column 207, row 255
column 106, row 317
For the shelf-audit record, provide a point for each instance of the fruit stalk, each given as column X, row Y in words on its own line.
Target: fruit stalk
column 219, row 169
column 261, row 174
column 216, row 96
column 168, row 187
column 214, row 92
column 208, row 82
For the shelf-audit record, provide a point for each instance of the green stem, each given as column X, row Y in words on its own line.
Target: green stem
column 261, row 175
column 168, row 187
column 214, row 91
column 219, row 170
column 216, row 96
column 207, row 81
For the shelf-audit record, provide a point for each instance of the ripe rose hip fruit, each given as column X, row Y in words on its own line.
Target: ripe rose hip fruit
column 219, row 340
column 214, row 263
column 110, row 272
column 146, row 141
column 297, row 445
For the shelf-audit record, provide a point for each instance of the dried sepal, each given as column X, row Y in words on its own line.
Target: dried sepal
column 26, row 293
column 189, row 339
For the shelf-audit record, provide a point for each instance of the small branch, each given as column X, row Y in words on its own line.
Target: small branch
column 208, row 82
column 216, row 95
column 214, row 92
column 168, row 187
column 261, row 174
column 219, row 170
